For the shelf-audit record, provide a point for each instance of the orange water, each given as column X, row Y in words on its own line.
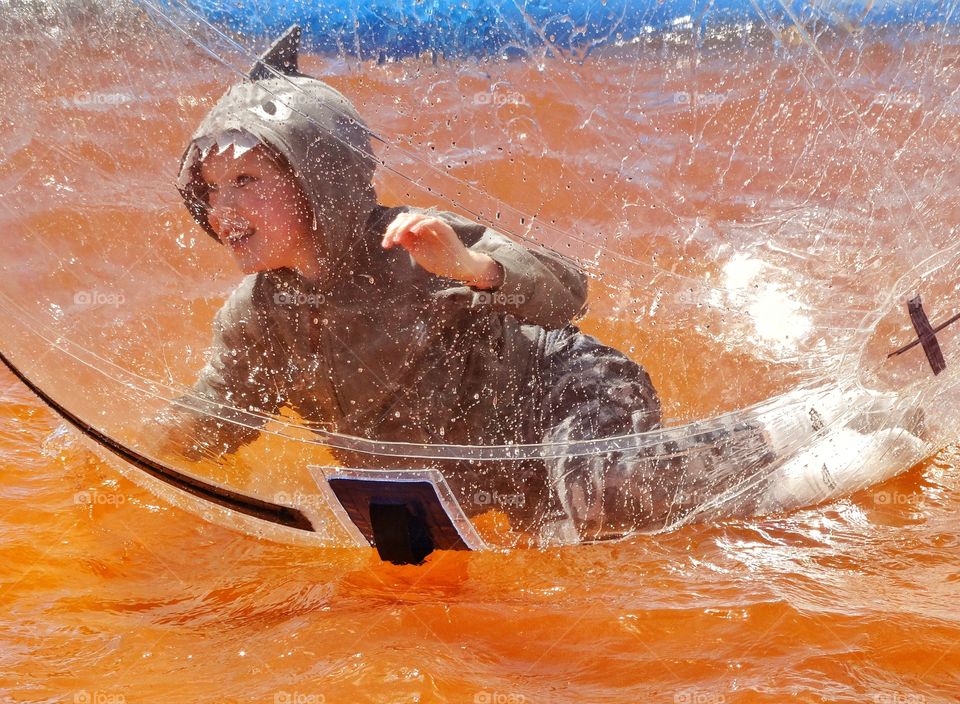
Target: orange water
column 128, row 599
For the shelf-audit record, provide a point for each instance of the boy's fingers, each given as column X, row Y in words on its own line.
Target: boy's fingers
column 425, row 226
column 408, row 232
column 410, row 237
column 396, row 228
column 387, row 241
column 391, row 233
column 407, row 229
column 391, row 229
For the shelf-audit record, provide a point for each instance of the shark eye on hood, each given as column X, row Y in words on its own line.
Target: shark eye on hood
column 271, row 110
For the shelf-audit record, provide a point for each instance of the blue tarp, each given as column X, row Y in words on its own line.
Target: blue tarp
column 384, row 28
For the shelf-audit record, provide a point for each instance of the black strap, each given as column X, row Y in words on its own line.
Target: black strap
column 234, row 500
column 926, row 335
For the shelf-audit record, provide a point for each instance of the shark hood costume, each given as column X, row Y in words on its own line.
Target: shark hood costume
column 382, row 349
column 311, row 126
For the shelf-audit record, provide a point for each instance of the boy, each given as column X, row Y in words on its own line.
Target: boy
column 395, row 324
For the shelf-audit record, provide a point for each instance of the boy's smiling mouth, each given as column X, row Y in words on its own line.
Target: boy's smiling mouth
column 236, row 237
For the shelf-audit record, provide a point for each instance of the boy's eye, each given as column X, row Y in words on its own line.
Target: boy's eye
column 244, row 179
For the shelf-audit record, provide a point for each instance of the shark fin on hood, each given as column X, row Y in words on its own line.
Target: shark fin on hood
column 281, row 58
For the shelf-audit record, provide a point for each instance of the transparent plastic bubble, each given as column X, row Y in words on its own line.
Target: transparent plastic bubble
column 598, row 270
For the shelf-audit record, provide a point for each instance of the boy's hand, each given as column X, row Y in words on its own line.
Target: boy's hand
column 436, row 247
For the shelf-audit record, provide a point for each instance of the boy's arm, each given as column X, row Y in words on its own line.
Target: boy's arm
column 538, row 286
column 234, row 392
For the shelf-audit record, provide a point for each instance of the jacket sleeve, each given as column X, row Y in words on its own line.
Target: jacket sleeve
column 539, row 286
column 238, row 388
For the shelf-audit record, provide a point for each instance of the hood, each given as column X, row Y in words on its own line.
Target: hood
column 313, row 127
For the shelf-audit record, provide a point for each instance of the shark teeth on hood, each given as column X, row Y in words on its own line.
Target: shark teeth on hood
column 241, row 141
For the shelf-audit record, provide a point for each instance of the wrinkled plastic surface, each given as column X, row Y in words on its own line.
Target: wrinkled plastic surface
column 754, row 195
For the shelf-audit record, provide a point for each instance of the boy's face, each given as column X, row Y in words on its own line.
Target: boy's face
column 258, row 210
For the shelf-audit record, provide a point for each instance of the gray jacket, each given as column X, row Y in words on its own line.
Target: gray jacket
column 380, row 348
